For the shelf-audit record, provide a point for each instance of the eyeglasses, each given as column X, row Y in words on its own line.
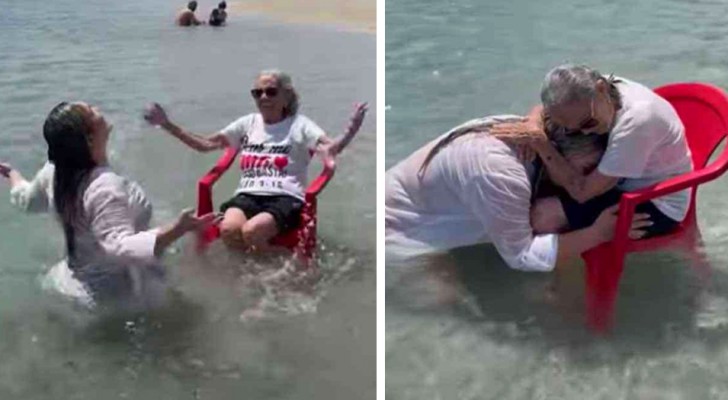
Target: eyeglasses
column 269, row 92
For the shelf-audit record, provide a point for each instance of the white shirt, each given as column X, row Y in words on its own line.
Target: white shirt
column 114, row 247
column 647, row 145
column 475, row 190
column 274, row 157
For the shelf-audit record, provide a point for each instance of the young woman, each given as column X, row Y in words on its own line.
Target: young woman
column 113, row 255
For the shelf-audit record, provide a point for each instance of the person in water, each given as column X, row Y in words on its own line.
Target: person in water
column 218, row 16
column 113, row 256
column 467, row 187
column 275, row 144
column 186, row 17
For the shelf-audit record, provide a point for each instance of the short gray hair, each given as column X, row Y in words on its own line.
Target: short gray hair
column 285, row 82
column 568, row 83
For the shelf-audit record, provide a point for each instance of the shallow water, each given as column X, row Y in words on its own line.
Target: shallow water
column 300, row 338
column 464, row 326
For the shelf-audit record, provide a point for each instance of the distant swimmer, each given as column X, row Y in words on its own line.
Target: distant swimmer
column 218, row 15
column 187, row 17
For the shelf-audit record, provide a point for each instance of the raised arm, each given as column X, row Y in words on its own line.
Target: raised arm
column 329, row 148
column 29, row 196
column 155, row 115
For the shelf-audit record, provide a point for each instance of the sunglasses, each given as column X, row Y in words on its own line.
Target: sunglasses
column 269, row 92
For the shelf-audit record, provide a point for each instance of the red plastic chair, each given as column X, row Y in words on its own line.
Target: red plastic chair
column 302, row 240
column 703, row 110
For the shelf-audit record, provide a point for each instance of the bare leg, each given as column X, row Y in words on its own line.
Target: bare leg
column 257, row 231
column 231, row 228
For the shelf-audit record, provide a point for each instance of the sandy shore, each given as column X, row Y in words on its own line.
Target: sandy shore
column 360, row 15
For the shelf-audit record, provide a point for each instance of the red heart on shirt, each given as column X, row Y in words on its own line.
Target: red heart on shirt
column 280, row 162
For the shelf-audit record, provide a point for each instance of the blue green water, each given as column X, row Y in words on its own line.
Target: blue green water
column 463, row 326
column 313, row 341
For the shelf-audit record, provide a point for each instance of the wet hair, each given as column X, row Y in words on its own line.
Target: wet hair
column 566, row 142
column 472, row 126
column 222, row 5
column 192, row 5
column 67, row 132
column 286, row 83
column 569, row 84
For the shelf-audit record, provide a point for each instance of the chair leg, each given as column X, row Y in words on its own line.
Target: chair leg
column 205, row 237
column 603, row 271
column 692, row 246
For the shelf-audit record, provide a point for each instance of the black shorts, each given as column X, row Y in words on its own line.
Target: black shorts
column 286, row 210
column 582, row 215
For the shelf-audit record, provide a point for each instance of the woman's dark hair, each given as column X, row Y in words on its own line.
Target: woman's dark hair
column 67, row 133
column 192, row 5
column 222, row 5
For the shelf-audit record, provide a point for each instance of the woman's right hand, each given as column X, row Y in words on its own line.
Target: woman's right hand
column 186, row 222
column 155, row 115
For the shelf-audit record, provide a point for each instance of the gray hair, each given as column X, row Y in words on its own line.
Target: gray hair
column 568, row 83
column 285, row 82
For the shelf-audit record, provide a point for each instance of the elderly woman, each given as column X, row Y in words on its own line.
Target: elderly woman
column 646, row 145
column 112, row 253
column 276, row 144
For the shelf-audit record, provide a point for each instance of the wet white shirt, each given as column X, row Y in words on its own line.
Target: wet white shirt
column 114, row 257
column 647, row 145
column 475, row 190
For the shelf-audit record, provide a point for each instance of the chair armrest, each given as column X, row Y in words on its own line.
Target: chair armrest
column 630, row 200
column 678, row 183
column 204, row 185
column 222, row 165
column 318, row 184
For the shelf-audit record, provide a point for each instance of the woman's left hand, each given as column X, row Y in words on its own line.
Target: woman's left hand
column 527, row 132
column 357, row 117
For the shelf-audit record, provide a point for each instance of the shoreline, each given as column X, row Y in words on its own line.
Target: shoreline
column 352, row 15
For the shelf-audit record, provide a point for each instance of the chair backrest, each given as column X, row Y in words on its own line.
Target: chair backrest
column 703, row 110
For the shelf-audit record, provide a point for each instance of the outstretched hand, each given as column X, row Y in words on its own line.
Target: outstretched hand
column 357, row 117
column 155, row 115
column 188, row 221
column 355, row 121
